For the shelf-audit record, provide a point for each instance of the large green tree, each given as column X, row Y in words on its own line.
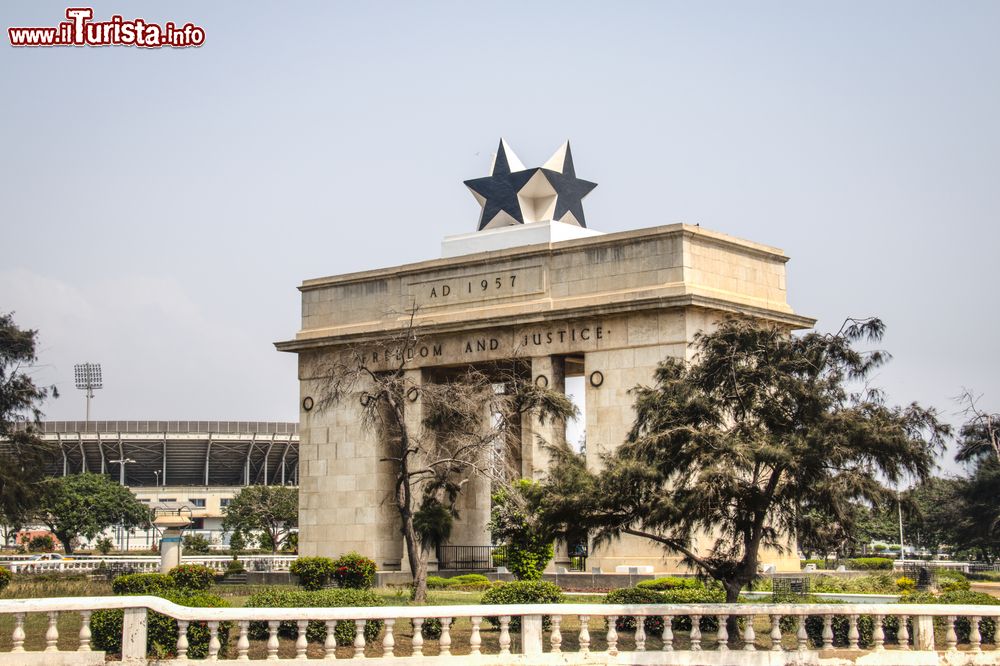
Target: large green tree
column 761, row 427
column 23, row 454
column 84, row 505
column 273, row 510
column 977, row 533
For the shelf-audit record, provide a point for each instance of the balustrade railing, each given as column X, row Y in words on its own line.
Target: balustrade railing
column 150, row 563
column 770, row 634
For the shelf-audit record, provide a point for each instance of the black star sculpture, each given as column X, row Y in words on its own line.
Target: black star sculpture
column 512, row 194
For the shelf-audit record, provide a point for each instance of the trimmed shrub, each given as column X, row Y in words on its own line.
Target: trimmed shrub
column 521, row 592
column 43, row 543
column 672, row 583
column 5, row 577
column 314, row 572
column 883, row 583
column 195, row 577
column 906, row 585
column 463, row 582
column 952, row 581
column 234, row 566
column 161, row 637
column 145, row 583
column 654, row 624
column 636, row 595
column 870, row 564
column 354, row 571
column 316, row 631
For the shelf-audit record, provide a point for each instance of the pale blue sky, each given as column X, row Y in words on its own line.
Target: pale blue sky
column 158, row 208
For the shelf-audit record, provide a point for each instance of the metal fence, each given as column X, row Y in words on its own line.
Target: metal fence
column 471, row 557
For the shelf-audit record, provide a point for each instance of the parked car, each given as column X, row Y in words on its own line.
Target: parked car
column 44, row 557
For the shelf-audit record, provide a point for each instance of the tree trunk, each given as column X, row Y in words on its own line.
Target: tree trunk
column 67, row 544
column 418, row 561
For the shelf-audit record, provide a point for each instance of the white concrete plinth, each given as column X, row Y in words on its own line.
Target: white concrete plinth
column 516, row 235
column 170, row 550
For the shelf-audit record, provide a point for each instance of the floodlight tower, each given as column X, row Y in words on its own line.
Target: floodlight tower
column 88, row 378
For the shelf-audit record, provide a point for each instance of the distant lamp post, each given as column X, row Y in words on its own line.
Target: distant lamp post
column 157, row 473
column 121, row 469
column 88, row 378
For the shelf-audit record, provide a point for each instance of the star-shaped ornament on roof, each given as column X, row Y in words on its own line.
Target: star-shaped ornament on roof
column 513, row 194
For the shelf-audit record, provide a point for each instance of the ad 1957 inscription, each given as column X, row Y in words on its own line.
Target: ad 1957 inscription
column 474, row 287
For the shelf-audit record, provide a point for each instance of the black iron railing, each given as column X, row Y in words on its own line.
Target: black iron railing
column 471, row 557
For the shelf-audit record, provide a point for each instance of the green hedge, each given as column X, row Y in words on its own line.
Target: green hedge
column 195, row 577
column 161, row 637
column 463, row 582
column 314, row 572
column 870, row 564
column 521, row 592
column 144, row 583
column 672, row 583
column 354, row 571
column 316, row 631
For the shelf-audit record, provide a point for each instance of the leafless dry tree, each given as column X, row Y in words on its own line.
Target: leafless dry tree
column 981, row 432
column 439, row 429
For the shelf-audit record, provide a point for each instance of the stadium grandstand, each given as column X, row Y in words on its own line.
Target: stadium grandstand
column 198, row 464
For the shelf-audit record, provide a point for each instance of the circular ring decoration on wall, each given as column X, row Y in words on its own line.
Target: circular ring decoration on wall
column 307, row 403
column 596, row 378
column 541, row 381
column 365, row 399
column 413, row 394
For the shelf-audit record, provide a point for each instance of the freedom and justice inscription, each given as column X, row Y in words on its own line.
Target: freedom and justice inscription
column 525, row 342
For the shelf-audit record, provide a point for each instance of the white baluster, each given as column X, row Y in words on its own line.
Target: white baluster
column 695, row 633
column 668, row 633
column 505, row 635
column 444, row 642
column 213, row 640
column 950, row 638
column 640, row 634
column 182, row 640
column 775, row 633
column 243, row 642
column 722, row 634
column 388, row 641
column 17, row 638
column 272, row 640
column 852, row 633
column 330, row 644
column 301, row 640
column 584, row 634
column 418, row 637
column 555, row 639
column 748, row 634
column 975, row 637
column 85, row 634
column 878, row 634
column 802, row 635
column 827, row 632
column 359, row 638
column 612, row 636
column 52, row 634
column 903, row 633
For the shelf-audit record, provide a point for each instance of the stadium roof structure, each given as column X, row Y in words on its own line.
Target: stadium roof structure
column 177, row 453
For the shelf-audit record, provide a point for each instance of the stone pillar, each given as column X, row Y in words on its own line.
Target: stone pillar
column 171, row 547
column 548, row 371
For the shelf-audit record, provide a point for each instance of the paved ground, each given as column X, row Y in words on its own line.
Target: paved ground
column 988, row 588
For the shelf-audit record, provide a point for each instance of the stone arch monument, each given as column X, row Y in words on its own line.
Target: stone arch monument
column 533, row 283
